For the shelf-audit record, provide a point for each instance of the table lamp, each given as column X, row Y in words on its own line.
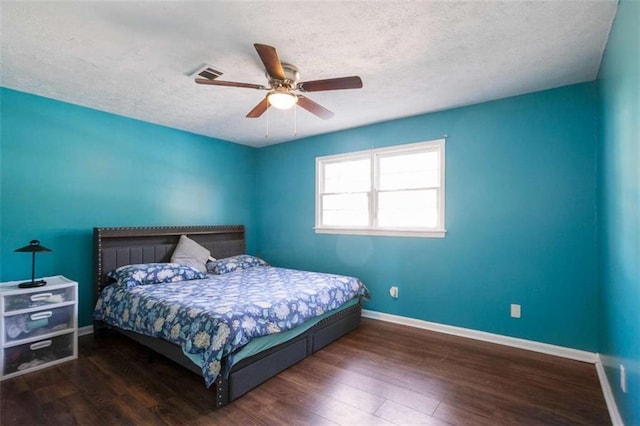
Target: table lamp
column 33, row 248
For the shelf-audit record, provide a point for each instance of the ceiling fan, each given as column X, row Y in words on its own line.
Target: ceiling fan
column 283, row 82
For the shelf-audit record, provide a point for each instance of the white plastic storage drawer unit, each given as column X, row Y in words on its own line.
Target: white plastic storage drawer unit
column 39, row 326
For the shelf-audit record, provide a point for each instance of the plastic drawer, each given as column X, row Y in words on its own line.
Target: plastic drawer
column 41, row 298
column 31, row 355
column 32, row 324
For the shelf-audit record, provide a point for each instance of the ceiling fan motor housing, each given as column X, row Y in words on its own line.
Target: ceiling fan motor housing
column 291, row 77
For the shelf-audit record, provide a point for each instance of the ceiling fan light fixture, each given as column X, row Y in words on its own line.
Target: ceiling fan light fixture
column 282, row 99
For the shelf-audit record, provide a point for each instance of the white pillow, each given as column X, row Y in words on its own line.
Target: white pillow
column 191, row 253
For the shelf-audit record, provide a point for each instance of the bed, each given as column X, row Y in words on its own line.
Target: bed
column 246, row 366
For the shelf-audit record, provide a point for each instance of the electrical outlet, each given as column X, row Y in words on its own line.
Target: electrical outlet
column 393, row 291
column 515, row 311
column 623, row 379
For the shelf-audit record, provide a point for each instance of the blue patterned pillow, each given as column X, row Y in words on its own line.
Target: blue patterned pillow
column 230, row 264
column 153, row 273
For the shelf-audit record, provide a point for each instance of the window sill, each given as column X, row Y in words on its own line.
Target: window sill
column 440, row 233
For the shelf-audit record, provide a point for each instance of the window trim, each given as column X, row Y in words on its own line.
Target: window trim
column 374, row 155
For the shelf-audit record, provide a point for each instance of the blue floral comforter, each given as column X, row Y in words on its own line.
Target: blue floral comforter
column 213, row 317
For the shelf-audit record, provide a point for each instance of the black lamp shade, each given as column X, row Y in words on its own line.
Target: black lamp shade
column 33, row 248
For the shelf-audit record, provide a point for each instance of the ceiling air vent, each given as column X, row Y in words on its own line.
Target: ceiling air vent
column 206, row 71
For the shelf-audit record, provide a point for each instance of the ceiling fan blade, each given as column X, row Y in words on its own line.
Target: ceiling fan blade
column 353, row 82
column 270, row 60
column 314, row 108
column 229, row 83
column 259, row 109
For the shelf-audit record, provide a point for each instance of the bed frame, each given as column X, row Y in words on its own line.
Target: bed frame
column 115, row 247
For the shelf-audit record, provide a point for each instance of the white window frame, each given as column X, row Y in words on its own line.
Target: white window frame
column 439, row 231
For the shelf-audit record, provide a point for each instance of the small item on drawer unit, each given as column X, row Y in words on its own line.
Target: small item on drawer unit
column 30, row 364
column 56, row 298
column 33, row 248
column 15, row 325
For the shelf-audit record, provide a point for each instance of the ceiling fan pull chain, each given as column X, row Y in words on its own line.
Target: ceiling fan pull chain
column 267, row 135
column 295, row 120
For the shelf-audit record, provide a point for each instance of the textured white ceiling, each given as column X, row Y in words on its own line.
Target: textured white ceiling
column 133, row 58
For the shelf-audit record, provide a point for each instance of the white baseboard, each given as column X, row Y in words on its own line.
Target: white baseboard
column 616, row 419
column 83, row 331
column 530, row 345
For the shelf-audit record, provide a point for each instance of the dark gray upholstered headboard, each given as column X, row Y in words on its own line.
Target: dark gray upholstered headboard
column 115, row 247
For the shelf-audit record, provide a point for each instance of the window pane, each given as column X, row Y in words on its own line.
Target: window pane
column 402, row 209
column 406, row 171
column 345, row 210
column 347, row 176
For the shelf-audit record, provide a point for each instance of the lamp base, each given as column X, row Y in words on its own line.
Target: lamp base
column 30, row 284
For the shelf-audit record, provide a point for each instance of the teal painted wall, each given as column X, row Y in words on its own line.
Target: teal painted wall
column 66, row 169
column 521, row 218
column 619, row 191
column 521, row 204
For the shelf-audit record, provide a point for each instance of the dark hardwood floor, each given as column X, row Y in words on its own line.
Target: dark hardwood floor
column 380, row 374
